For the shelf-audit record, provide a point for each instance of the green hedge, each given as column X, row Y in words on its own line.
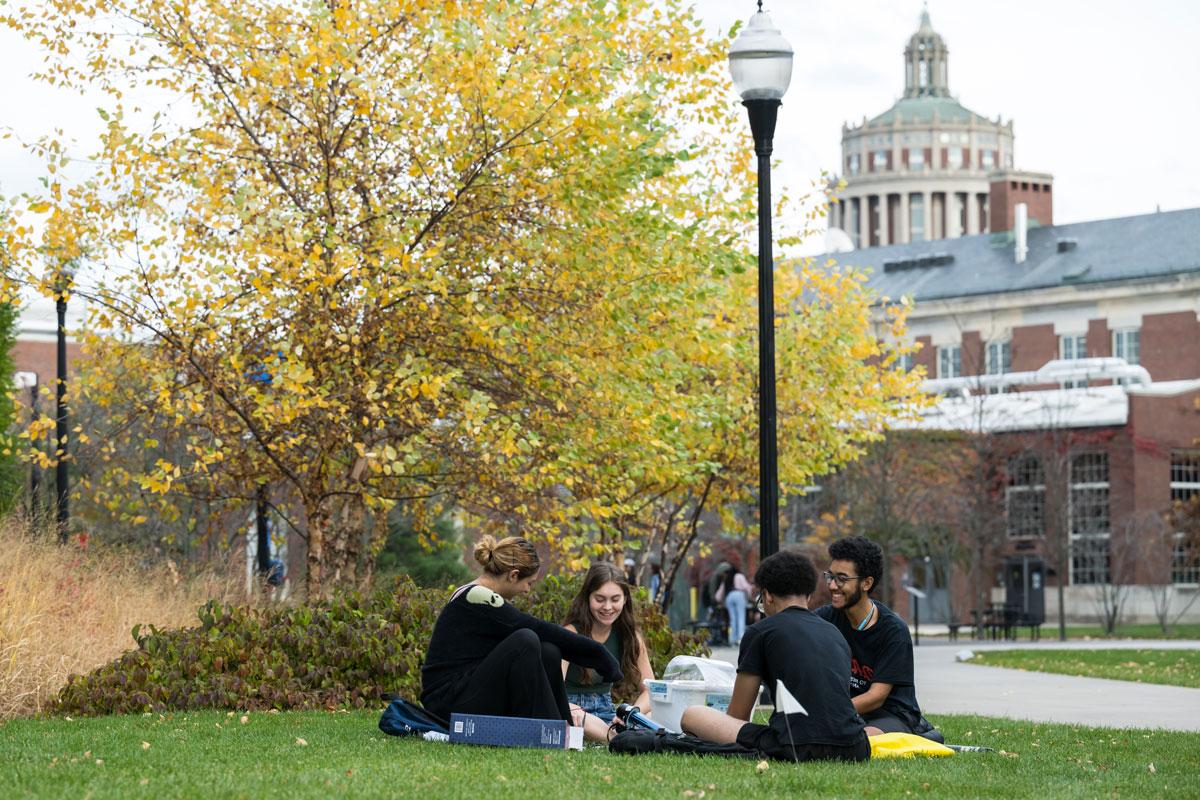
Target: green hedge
column 342, row 653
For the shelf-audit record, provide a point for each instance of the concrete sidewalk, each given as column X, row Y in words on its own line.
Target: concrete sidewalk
column 945, row 686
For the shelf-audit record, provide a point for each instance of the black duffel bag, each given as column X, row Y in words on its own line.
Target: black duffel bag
column 633, row 742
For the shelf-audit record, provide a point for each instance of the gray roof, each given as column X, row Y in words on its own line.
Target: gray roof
column 1085, row 253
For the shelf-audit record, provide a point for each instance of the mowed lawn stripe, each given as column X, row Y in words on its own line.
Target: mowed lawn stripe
column 1168, row 667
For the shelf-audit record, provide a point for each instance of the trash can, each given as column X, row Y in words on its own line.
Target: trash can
column 690, row 681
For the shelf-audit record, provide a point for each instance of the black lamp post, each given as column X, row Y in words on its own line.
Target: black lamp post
column 760, row 61
column 66, row 273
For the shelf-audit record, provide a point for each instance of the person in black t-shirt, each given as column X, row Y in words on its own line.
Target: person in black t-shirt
column 881, row 672
column 805, row 665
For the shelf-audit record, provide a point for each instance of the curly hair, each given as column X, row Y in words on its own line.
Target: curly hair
column 788, row 573
column 580, row 617
column 866, row 556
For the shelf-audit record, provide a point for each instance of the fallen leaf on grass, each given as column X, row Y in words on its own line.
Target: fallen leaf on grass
column 145, row 745
column 100, row 761
column 762, row 767
column 244, row 719
column 301, row 742
column 1152, row 768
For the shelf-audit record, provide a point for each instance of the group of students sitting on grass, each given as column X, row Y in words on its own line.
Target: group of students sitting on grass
column 848, row 664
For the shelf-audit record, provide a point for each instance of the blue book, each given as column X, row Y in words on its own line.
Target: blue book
column 552, row 734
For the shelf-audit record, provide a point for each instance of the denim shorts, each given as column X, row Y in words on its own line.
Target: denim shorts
column 598, row 705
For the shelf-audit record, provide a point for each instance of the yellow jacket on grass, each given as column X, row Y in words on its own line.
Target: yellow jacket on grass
column 905, row 745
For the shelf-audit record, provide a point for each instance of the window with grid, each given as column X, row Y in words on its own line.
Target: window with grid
column 1127, row 344
column 950, row 361
column 1072, row 348
column 1025, row 498
column 1185, row 486
column 1089, row 520
column 999, row 361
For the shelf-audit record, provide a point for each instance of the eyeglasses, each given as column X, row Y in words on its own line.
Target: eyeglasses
column 839, row 578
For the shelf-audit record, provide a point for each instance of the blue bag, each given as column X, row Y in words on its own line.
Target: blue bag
column 402, row 718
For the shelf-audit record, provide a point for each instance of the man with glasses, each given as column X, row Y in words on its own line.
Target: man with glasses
column 881, row 668
column 803, row 662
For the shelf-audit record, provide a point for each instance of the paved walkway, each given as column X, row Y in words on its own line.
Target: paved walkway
column 946, row 686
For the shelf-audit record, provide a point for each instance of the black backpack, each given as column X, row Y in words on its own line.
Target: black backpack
column 636, row 741
column 402, row 718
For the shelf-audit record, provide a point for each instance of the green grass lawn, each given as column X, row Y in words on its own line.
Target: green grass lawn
column 1139, row 631
column 1171, row 667
column 300, row 755
column 1049, row 631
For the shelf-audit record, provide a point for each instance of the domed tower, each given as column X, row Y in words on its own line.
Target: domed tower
column 926, row 73
column 920, row 169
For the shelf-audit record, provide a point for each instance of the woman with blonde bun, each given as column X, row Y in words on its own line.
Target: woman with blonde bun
column 486, row 657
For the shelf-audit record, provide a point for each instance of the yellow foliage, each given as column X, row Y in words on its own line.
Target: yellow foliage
column 490, row 248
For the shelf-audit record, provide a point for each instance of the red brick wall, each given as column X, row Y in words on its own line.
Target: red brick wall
column 1099, row 343
column 1033, row 346
column 1004, row 196
column 1099, row 338
column 41, row 357
column 1157, row 426
column 1170, row 346
column 926, row 356
column 973, row 356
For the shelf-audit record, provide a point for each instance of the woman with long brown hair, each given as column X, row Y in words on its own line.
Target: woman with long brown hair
column 485, row 657
column 603, row 612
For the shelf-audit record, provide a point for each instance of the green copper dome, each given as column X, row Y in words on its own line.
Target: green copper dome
column 921, row 110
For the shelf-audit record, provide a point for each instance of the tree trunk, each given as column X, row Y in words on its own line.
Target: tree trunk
column 314, row 579
column 1062, row 613
column 681, row 551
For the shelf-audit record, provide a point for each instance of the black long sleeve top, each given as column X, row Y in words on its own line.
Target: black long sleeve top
column 476, row 620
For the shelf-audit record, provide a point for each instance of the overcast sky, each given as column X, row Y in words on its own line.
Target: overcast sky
column 1104, row 94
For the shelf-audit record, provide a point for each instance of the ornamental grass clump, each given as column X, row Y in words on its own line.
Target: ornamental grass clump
column 69, row 608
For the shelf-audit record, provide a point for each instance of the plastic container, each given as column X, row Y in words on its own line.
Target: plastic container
column 690, row 681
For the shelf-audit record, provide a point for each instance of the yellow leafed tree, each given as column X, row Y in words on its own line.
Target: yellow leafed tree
column 425, row 251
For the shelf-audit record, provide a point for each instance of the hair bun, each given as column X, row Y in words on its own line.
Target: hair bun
column 485, row 550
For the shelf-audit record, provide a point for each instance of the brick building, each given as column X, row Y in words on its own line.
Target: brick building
column 1078, row 348
column 1075, row 349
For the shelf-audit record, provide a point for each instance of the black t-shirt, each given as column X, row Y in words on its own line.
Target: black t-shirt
column 813, row 661
column 881, row 653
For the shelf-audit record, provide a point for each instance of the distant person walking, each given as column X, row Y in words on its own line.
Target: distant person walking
column 735, row 592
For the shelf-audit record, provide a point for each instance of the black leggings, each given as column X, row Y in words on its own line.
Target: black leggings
column 521, row 677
